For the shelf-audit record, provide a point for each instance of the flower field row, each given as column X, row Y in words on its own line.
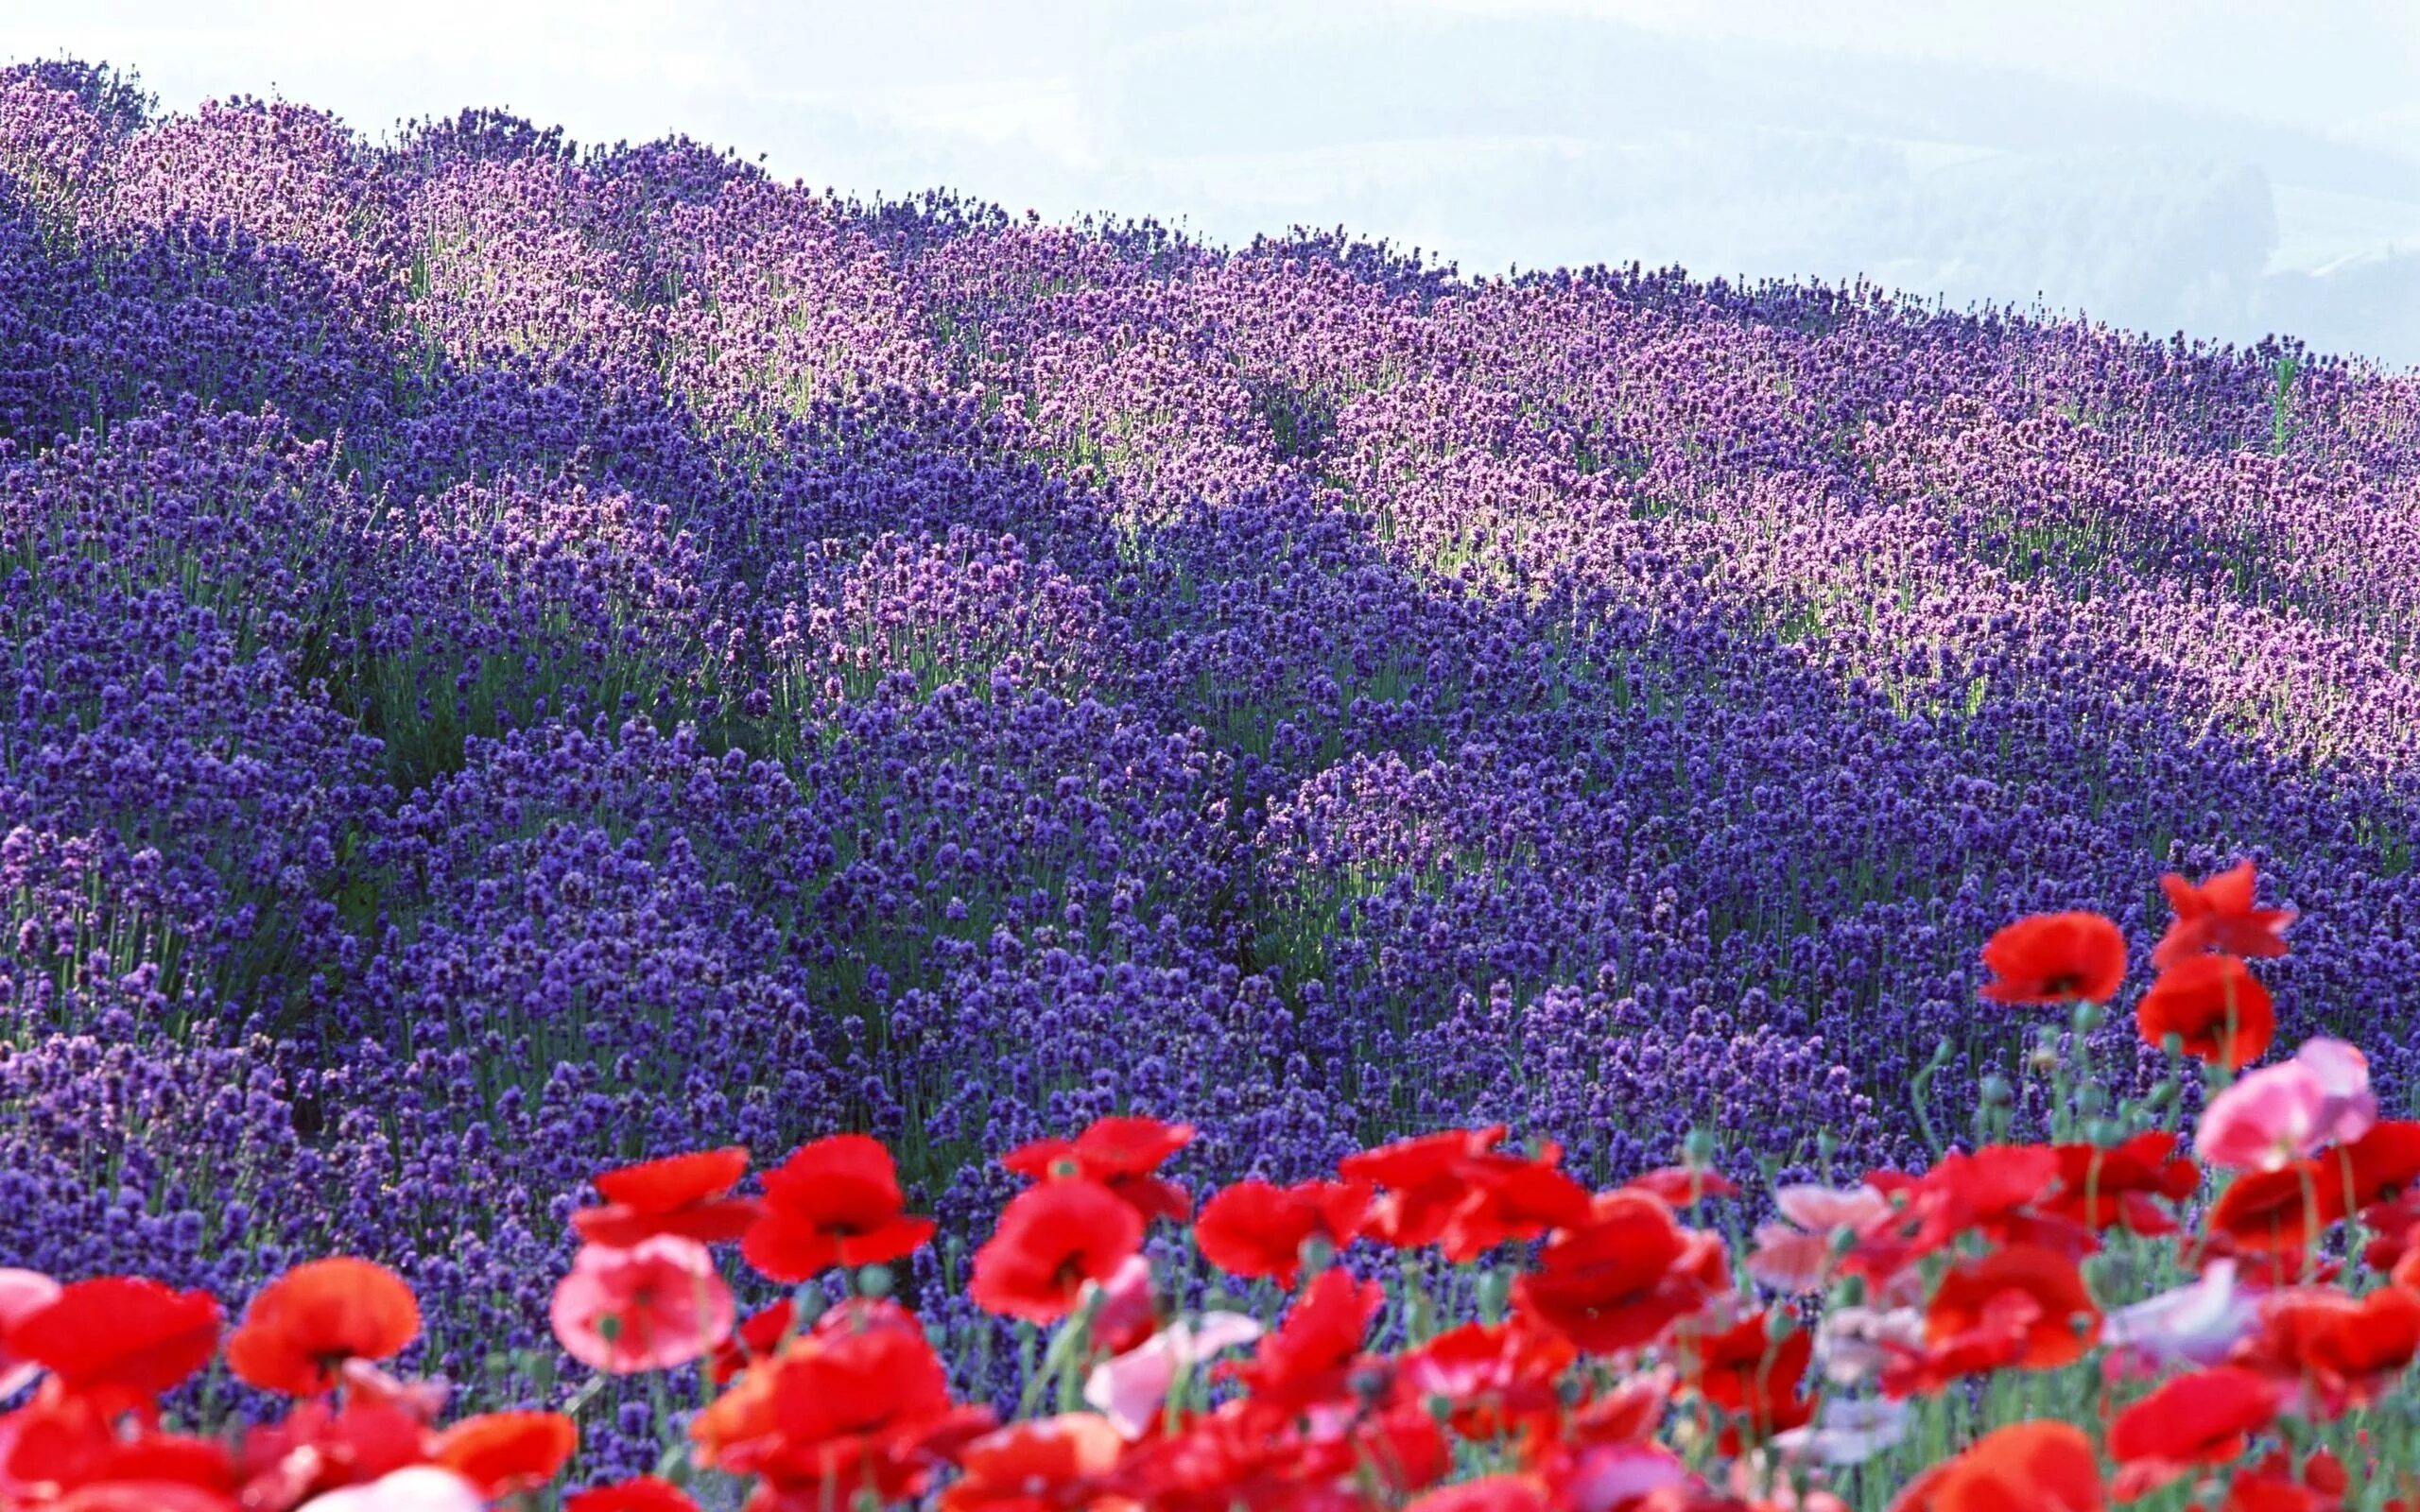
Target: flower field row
column 521, row 660
column 1442, row 1324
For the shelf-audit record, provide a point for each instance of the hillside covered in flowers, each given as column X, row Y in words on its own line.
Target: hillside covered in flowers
column 521, row 660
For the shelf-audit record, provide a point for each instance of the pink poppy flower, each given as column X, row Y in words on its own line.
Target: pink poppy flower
column 1129, row 1389
column 2197, row 1324
column 1610, row 1475
column 414, row 1488
column 2350, row 1108
column 1846, row 1431
column 22, row 1292
column 1824, row 1210
column 1801, row 1259
column 1126, row 1312
column 648, row 1308
column 1792, row 1260
column 1853, row 1344
column 2283, row 1113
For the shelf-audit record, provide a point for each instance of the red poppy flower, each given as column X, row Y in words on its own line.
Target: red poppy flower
column 2263, row 1269
column 643, row 1493
column 1311, row 1355
column 2334, row 1350
column 761, row 1334
column 1491, row 1493
column 1617, row 1280
column 1512, row 1198
column 2275, row 1484
column 740, row 1424
column 2251, row 1492
column 1745, row 1371
column 833, row 1202
column 758, row 1335
column 121, row 1340
column 1122, row 1153
column 2394, row 1228
column 2215, row 1006
column 686, row 1195
column 2379, row 1166
column 1238, row 1457
column 302, row 1327
column 504, row 1454
column 2206, row 1417
column 2053, row 957
column 61, row 1452
column 1214, row 1460
column 2041, row 1466
column 1494, row 1375
column 2219, row 916
column 1053, row 1463
column 2281, row 1210
column 1986, row 1194
column 2069, row 1321
column 318, row 1447
column 1992, row 1338
column 1248, row 1457
column 1051, row 1240
column 1684, row 1186
column 1624, row 1412
column 1455, row 1190
column 862, row 1409
column 144, row 1495
column 2104, row 1186
column 1400, row 1447
column 1252, row 1228
column 1424, row 1181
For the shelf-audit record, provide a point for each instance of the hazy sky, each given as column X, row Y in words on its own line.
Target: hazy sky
column 2209, row 164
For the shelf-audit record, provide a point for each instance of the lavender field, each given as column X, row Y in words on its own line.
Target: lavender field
column 524, row 657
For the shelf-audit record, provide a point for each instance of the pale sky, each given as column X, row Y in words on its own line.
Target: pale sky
column 2205, row 164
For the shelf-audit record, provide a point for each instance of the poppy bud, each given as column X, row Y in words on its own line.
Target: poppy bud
column 1995, row 1092
column 1780, row 1323
column 1698, row 1149
column 1370, row 1383
column 1317, row 1253
column 874, row 1281
column 2089, row 1017
column 806, row 1304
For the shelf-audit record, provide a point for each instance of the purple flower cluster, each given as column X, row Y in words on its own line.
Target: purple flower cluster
column 519, row 658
